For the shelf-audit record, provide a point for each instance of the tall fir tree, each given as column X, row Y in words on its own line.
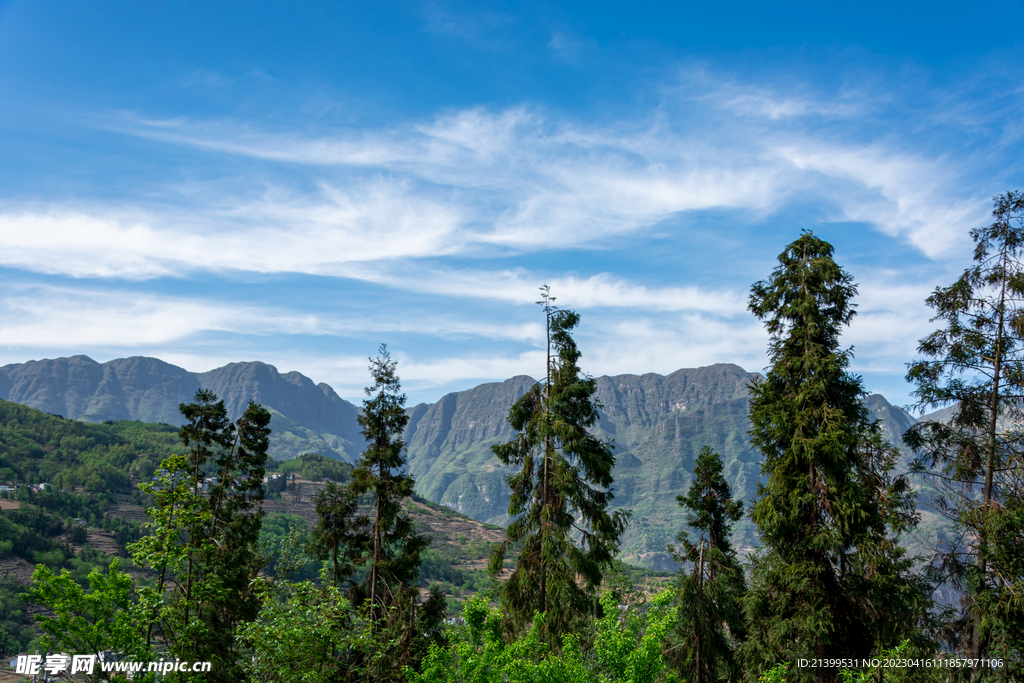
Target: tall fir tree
column 560, row 495
column 373, row 545
column 828, row 499
column 975, row 364
column 236, row 517
column 393, row 547
column 710, row 593
column 340, row 533
column 204, row 533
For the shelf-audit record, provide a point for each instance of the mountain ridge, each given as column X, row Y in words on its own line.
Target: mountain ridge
column 305, row 417
column 658, row 423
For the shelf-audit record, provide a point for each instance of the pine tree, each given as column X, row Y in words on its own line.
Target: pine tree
column 236, row 517
column 976, row 458
column 393, row 547
column 203, row 535
column 340, row 534
column 559, row 497
column 822, row 512
column 710, row 593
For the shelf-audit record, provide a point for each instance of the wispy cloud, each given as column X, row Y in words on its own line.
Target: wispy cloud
column 640, row 344
column 597, row 291
column 517, row 179
column 900, row 194
column 440, row 205
column 46, row 317
column 269, row 234
column 476, row 27
column 42, row 317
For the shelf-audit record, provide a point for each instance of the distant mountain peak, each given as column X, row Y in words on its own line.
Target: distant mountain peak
column 307, row 418
column 658, row 422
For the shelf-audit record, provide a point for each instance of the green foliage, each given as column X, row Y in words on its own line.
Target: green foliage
column 315, row 467
column 561, row 490
column 283, row 543
column 102, row 618
column 304, row 633
column 36, row 447
column 710, row 593
column 390, row 546
column 308, row 631
column 442, row 563
column 88, row 507
column 339, row 535
column 125, row 530
column 171, row 549
column 28, row 532
column 203, row 548
column 627, row 648
column 828, row 501
column 17, row 628
column 976, row 363
column 376, row 550
column 900, row 674
column 776, row 674
column 1003, row 603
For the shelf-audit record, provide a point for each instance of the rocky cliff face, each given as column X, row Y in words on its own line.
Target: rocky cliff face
column 659, row 424
column 307, row 418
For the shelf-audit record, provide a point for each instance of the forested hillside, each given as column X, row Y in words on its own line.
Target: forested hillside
column 73, row 501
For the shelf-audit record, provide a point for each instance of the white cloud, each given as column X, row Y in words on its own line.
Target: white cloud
column 900, row 194
column 773, row 103
column 271, row 234
column 55, row 317
column 423, row 206
column 891, row 319
column 65, row 318
column 475, row 182
column 597, row 291
column 565, row 183
column 637, row 345
column 442, row 371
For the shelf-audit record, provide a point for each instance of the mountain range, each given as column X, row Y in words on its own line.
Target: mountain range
column 658, row 423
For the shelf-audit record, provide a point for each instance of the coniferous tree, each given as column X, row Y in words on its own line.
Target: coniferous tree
column 204, row 533
column 976, row 458
column 236, row 517
column 559, row 497
column 828, row 501
column 372, row 543
column 710, row 593
column 392, row 545
column 340, row 534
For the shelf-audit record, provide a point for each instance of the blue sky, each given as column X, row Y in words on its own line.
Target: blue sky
column 209, row 182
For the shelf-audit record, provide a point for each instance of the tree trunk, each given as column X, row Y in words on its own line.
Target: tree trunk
column 698, row 642
column 990, row 457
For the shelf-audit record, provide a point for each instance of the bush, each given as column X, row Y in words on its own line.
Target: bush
column 627, row 649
